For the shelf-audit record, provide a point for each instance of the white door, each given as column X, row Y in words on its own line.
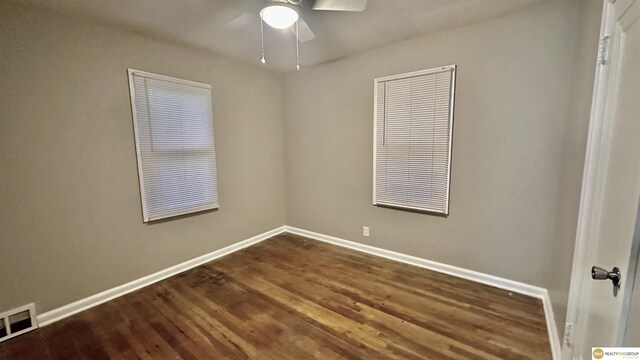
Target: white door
column 632, row 333
column 598, row 311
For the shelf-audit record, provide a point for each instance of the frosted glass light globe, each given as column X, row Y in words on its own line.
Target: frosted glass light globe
column 279, row 16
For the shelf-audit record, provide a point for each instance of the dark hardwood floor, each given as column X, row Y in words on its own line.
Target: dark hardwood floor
column 294, row 298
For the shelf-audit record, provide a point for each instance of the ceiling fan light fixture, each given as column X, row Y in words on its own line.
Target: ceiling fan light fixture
column 279, row 16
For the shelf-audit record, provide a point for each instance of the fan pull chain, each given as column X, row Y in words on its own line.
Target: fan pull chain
column 262, row 60
column 297, row 46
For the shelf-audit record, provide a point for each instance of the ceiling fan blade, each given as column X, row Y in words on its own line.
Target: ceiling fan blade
column 340, row 5
column 242, row 20
column 305, row 33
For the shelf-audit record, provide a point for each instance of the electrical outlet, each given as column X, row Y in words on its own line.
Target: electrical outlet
column 365, row 231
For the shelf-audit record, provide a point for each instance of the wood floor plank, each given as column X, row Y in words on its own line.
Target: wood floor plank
column 290, row 297
column 363, row 310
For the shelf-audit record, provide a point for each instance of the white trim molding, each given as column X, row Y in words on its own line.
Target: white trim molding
column 60, row 313
column 502, row 283
column 75, row 307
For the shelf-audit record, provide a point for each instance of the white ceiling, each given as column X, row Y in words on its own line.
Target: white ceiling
column 201, row 23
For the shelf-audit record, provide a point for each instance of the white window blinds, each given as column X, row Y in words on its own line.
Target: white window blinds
column 412, row 140
column 173, row 124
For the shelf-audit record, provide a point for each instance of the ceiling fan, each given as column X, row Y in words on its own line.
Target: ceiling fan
column 284, row 14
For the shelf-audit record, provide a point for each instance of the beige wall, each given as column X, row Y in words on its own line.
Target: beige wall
column 522, row 103
column 70, row 216
column 573, row 154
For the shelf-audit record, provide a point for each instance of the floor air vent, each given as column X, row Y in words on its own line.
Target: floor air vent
column 17, row 321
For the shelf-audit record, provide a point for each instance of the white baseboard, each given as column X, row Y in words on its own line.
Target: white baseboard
column 97, row 299
column 502, row 283
column 554, row 338
column 518, row 287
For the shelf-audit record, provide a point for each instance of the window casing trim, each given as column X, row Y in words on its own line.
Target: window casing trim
column 381, row 81
column 132, row 94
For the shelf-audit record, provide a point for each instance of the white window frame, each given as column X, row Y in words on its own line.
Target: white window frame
column 377, row 81
column 145, row 213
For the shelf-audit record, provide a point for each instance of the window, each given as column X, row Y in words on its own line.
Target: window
column 173, row 125
column 413, row 120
